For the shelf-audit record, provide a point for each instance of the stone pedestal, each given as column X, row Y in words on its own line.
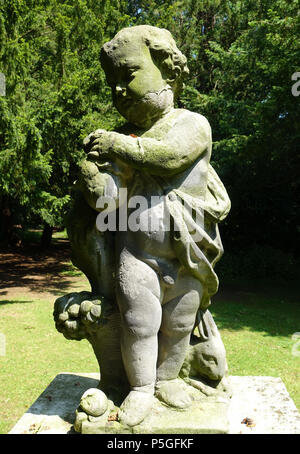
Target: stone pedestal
column 263, row 402
column 209, row 416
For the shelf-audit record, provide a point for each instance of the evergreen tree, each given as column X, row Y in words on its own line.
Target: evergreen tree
column 56, row 94
column 241, row 57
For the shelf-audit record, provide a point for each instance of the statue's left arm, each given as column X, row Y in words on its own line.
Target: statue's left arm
column 189, row 137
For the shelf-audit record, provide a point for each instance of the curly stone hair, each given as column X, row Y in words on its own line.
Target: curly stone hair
column 164, row 51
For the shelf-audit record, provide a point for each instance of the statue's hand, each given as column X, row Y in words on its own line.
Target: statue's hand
column 88, row 141
column 98, row 144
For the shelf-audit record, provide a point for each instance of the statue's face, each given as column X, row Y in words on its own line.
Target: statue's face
column 138, row 89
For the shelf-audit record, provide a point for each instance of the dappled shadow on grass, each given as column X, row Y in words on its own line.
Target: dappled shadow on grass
column 4, row 302
column 36, row 270
column 273, row 313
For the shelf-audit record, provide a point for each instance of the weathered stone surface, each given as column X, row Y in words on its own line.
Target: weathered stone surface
column 208, row 416
column 94, row 402
column 147, row 314
column 264, row 400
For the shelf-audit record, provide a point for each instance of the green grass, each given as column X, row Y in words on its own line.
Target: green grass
column 62, row 234
column 34, row 236
column 31, row 235
column 257, row 332
column 71, row 271
column 35, row 354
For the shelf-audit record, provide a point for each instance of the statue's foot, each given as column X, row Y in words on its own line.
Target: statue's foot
column 135, row 408
column 175, row 393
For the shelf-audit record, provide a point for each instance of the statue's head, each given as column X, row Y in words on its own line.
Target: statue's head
column 145, row 71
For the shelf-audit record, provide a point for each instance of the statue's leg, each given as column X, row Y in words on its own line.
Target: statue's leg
column 139, row 300
column 180, row 307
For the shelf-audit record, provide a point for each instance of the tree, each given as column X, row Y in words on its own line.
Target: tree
column 56, row 94
column 241, row 57
column 255, row 121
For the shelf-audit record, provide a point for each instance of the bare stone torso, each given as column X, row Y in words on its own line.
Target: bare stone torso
column 156, row 242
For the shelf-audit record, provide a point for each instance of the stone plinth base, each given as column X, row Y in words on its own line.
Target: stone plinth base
column 262, row 401
column 207, row 417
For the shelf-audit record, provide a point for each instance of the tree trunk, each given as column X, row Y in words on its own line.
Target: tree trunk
column 46, row 236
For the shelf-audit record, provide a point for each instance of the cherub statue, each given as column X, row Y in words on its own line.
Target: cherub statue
column 157, row 282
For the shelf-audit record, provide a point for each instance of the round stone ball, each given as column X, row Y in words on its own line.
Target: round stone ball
column 94, row 402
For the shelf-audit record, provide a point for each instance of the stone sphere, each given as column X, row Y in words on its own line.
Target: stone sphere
column 94, row 402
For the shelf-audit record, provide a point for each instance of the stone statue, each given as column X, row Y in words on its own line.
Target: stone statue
column 147, row 314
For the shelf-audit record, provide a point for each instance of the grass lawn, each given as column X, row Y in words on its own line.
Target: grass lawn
column 257, row 331
column 35, row 354
column 256, row 328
